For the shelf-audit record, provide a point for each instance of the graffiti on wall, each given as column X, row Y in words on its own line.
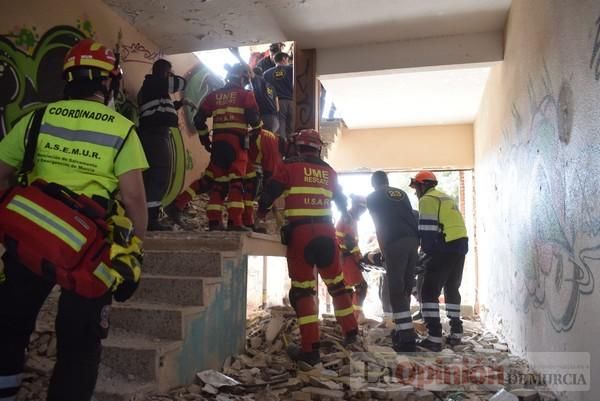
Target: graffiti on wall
column 595, row 60
column 539, row 183
column 31, row 69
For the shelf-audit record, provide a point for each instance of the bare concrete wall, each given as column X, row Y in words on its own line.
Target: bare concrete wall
column 537, row 166
column 410, row 148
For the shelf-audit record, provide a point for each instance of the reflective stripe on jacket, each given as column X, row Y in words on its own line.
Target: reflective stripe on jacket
column 440, row 222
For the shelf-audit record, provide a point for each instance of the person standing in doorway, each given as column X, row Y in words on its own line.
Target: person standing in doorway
column 282, row 78
column 444, row 242
column 397, row 234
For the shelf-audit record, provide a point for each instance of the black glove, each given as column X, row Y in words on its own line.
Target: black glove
column 125, row 291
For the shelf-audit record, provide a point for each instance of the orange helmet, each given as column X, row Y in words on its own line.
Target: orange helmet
column 308, row 137
column 88, row 60
column 422, row 177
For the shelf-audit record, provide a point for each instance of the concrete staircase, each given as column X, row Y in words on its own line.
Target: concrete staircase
column 187, row 315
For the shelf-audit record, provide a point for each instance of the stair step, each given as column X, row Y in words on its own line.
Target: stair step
column 173, row 290
column 153, row 320
column 186, row 241
column 137, row 357
column 113, row 387
column 197, row 263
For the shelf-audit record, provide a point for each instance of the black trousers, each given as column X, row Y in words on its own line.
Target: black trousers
column 81, row 324
column 157, row 147
column 400, row 261
column 442, row 271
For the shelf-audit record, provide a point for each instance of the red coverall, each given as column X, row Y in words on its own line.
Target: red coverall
column 347, row 237
column 309, row 184
column 233, row 109
column 263, row 160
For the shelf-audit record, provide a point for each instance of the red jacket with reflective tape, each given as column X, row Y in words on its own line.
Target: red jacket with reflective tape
column 346, row 231
column 308, row 185
column 263, row 154
column 233, row 109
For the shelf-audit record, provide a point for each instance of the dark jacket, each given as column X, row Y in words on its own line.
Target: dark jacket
column 156, row 107
column 392, row 214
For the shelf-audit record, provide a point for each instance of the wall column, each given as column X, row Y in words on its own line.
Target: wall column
column 306, row 89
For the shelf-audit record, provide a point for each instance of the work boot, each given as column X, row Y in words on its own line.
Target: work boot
column 260, row 230
column 239, row 228
column 154, row 223
column 353, row 342
column 417, row 316
column 175, row 214
column 429, row 345
column 403, row 344
column 454, row 339
column 157, row 225
column 305, row 360
column 215, row 226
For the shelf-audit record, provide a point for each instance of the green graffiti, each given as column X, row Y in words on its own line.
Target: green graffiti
column 26, row 38
column 200, row 82
column 30, row 78
column 126, row 107
column 85, row 25
column 189, row 160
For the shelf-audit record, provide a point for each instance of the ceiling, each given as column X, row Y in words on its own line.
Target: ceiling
column 448, row 96
column 397, row 97
column 181, row 26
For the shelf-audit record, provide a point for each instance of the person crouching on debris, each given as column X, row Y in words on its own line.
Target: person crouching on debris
column 309, row 185
column 347, row 236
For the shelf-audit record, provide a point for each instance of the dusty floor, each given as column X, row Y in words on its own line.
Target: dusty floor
column 475, row 370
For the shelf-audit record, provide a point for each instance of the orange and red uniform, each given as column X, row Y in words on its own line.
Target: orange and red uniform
column 234, row 110
column 347, row 238
column 263, row 160
column 309, row 185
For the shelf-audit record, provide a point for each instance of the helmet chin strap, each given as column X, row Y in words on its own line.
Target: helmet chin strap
column 106, row 92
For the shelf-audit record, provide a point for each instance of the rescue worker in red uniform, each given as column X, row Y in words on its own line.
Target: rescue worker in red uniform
column 309, row 184
column 264, row 159
column 233, row 109
column 347, row 236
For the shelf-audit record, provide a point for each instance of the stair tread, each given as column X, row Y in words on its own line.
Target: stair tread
column 207, row 280
column 161, row 307
column 127, row 340
column 116, row 384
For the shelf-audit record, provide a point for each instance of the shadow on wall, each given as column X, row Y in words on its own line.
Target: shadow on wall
column 553, row 252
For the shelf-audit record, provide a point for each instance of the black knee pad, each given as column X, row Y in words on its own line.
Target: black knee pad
column 320, row 251
column 297, row 293
column 223, row 154
column 339, row 289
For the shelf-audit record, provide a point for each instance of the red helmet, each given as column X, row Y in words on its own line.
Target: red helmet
column 422, row 177
column 308, row 137
column 88, row 60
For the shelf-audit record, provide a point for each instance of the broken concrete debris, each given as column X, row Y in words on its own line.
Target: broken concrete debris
column 265, row 373
column 474, row 371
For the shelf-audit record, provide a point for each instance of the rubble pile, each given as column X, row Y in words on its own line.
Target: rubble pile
column 473, row 371
column 194, row 215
